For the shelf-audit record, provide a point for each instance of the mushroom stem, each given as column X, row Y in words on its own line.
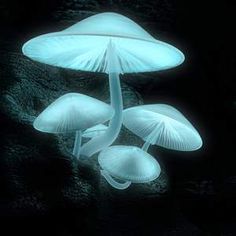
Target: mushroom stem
column 77, row 143
column 113, row 182
column 98, row 143
column 152, row 137
column 146, row 146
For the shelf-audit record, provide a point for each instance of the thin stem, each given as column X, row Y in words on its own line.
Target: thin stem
column 146, row 146
column 152, row 137
column 98, row 143
column 113, row 182
column 77, row 143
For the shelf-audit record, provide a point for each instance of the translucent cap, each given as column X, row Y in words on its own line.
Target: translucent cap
column 162, row 125
column 83, row 46
column 129, row 163
column 71, row 112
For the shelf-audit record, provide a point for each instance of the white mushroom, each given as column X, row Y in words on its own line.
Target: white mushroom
column 163, row 125
column 108, row 43
column 129, row 164
column 73, row 112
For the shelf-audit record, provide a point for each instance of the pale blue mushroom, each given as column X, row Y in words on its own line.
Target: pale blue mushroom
column 128, row 164
column 108, row 43
column 73, row 112
column 163, row 125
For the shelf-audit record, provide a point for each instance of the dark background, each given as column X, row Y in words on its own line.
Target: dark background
column 202, row 185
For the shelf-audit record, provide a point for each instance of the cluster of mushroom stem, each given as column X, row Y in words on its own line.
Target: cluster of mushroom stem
column 113, row 44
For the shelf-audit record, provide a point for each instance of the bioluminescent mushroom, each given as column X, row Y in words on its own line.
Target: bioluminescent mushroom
column 94, row 131
column 128, row 164
column 73, row 112
column 108, row 43
column 162, row 125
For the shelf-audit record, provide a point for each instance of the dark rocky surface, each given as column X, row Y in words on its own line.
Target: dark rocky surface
column 45, row 191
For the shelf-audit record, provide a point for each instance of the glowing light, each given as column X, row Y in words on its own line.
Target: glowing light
column 71, row 112
column 109, row 43
column 127, row 163
column 162, row 125
column 83, row 46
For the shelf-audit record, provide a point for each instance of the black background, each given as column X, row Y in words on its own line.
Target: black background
column 202, row 183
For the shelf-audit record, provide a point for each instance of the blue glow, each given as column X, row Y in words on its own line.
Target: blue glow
column 162, row 125
column 83, row 46
column 71, row 112
column 109, row 43
column 129, row 164
column 112, row 44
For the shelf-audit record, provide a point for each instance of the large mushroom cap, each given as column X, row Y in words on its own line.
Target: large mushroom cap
column 172, row 129
column 129, row 163
column 83, row 46
column 71, row 112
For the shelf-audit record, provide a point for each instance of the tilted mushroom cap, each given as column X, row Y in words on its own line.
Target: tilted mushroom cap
column 94, row 131
column 71, row 112
column 129, row 163
column 171, row 129
column 83, row 46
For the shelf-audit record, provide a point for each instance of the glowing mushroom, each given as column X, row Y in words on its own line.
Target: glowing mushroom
column 162, row 125
column 128, row 164
column 73, row 112
column 108, row 43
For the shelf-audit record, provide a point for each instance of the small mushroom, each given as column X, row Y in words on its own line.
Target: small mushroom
column 128, row 164
column 108, row 43
column 162, row 125
column 73, row 112
column 94, row 131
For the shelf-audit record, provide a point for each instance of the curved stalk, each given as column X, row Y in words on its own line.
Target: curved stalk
column 152, row 137
column 98, row 143
column 113, row 182
column 77, row 143
column 146, row 146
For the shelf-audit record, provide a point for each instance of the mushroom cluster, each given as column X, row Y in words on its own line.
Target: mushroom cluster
column 113, row 44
